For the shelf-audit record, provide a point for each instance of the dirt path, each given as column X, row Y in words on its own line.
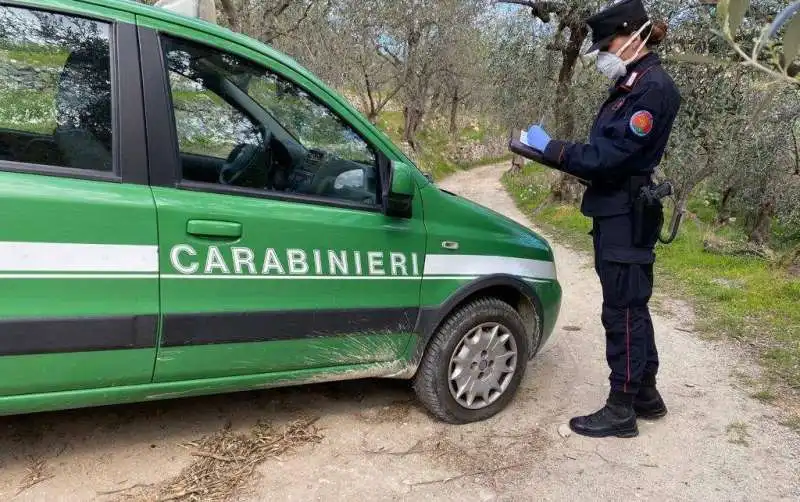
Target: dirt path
column 716, row 443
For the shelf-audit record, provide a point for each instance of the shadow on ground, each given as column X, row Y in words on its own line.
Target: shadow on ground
column 165, row 423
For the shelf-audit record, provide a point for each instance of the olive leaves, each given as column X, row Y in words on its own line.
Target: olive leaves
column 770, row 54
column 791, row 41
column 731, row 14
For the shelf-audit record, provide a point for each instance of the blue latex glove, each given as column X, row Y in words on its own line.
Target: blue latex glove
column 537, row 138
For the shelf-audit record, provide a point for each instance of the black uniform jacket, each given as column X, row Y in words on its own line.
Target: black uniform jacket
column 628, row 138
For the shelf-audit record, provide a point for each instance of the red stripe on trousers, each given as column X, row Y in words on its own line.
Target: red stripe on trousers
column 627, row 347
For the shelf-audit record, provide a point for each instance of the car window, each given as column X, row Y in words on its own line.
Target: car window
column 207, row 125
column 55, row 90
column 311, row 123
column 239, row 124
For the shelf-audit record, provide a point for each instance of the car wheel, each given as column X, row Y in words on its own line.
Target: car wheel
column 474, row 363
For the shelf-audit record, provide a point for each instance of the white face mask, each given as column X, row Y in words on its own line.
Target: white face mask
column 612, row 65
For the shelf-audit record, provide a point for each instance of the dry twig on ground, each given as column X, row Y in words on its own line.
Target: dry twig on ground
column 226, row 461
column 36, row 473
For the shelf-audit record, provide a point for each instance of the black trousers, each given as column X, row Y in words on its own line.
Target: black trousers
column 626, row 276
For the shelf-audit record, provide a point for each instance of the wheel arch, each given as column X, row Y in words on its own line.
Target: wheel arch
column 510, row 289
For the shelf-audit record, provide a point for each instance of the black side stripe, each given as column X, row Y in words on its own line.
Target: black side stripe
column 82, row 334
column 244, row 327
column 88, row 334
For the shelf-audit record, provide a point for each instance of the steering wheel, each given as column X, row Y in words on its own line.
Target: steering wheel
column 242, row 158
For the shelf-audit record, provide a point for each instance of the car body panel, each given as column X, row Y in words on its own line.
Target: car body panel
column 317, row 311
column 92, row 309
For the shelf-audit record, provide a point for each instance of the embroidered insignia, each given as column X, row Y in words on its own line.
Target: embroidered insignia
column 642, row 123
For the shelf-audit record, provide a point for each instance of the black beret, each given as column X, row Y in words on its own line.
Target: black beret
column 607, row 23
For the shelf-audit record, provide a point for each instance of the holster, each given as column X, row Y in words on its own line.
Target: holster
column 647, row 213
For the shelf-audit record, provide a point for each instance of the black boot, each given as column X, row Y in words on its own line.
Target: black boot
column 648, row 403
column 616, row 418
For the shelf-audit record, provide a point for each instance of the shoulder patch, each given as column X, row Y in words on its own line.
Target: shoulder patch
column 642, row 123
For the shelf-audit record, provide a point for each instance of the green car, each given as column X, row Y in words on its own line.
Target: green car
column 187, row 211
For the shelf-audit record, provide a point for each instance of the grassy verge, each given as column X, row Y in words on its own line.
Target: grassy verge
column 435, row 145
column 745, row 298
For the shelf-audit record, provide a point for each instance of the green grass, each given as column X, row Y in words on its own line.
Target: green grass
column 32, row 111
column 703, row 208
column 435, row 143
column 745, row 298
column 765, row 395
column 36, row 56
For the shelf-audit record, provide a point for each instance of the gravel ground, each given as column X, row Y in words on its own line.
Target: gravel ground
column 715, row 444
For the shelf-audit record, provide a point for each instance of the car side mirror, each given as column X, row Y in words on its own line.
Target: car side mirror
column 400, row 191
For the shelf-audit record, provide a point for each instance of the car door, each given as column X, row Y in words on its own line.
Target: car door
column 78, row 238
column 275, row 253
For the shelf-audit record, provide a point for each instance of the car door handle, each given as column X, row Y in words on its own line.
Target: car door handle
column 213, row 228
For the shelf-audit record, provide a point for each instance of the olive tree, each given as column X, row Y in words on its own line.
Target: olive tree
column 418, row 36
column 567, row 40
column 746, row 117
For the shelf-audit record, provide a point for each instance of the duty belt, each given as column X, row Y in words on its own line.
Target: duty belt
column 631, row 184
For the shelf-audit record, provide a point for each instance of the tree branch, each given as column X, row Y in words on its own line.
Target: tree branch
column 296, row 25
column 282, row 8
column 385, row 53
column 230, row 12
column 391, row 95
column 796, row 148
column 369, row 93
column 540, row 9
column 538, row 5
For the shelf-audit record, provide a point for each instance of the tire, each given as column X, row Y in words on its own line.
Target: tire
column 462, row 332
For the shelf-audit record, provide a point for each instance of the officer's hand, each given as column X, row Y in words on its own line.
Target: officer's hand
column 538, row 138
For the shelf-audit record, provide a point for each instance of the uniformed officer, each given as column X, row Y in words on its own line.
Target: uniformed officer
column 626, row 144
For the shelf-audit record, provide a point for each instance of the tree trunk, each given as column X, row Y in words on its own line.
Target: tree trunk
column 454, row 103
column 763, row 227
column 517, row 163
column 231, row 13
column 567, row 188
column 436, row 105
column 413, row 120
column 372, row 113
column 372, row 116
column 724, row 207
column 565, row 117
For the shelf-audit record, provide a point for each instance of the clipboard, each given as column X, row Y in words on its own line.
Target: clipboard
column 519, row 148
